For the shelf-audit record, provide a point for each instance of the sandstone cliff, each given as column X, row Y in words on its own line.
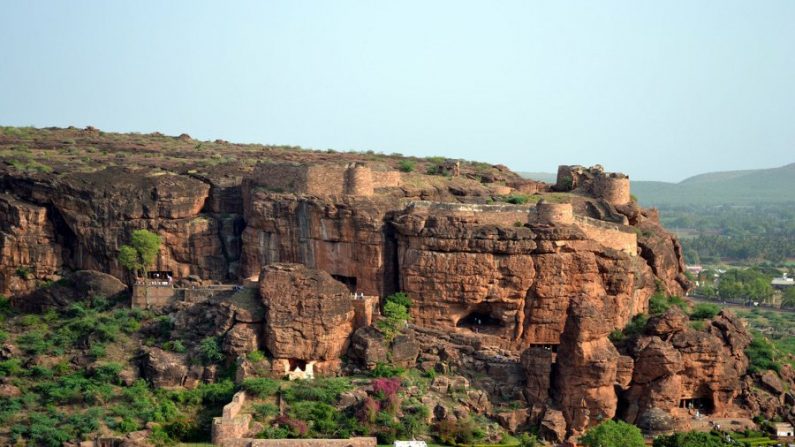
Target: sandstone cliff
column 520, row 297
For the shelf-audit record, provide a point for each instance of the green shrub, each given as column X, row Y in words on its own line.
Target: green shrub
column 386, row 370
column 517, row 199
column 265, row 410
column 613, row 434
column 108, row 373
column 260, row 386
column 406, row 165
column 690, row 439
column 33, row 342
column 659, row 303
column 175, row 346
column 704, row 311
column 320, row 390
column 210, row 350
column 761, row 354
column 395, row 315
column 255, row 356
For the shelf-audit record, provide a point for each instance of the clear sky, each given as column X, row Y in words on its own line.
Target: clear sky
column 657, row 89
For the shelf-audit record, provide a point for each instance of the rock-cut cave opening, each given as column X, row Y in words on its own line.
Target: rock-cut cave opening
column 704, row 405
column 349, row 281
column 297, row 364
column 480, row 321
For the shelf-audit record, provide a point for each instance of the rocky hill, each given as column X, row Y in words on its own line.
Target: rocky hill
column 515, row 286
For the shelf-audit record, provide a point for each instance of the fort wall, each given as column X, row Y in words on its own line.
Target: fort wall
column 497, row 214
column 322, row 179
column 231, row 425
column 386, row 179
column 608, row 234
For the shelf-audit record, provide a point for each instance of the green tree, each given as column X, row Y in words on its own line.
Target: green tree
column 141, row 253
column 789, row 297
column 396, row 313
column 613, row 434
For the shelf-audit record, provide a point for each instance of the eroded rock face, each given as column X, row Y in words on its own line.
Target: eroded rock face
column 687, row 367
column 308, row 314
column 29, row 249
column 513, row 283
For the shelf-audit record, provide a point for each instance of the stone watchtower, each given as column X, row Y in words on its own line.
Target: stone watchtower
column 358, row 180
column 553, row 213
column 613, row 187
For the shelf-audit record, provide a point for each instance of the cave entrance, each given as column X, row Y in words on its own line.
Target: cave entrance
column 296, row 364
column 480, row 321
column 546, row 346
column 349, row 281
column 704, row 405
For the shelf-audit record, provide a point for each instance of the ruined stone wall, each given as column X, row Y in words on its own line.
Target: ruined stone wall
column 611, row 186
column 326, row 180
column 610, row 235
column 155, row 297
column 281, row 177
column 501, row 214
column 232, row 425
column 386, row 179
column 365, row 310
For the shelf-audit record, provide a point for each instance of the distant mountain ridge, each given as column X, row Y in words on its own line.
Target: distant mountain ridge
column 744, row 187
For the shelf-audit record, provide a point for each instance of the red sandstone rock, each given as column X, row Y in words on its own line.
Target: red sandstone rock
column 309, row 315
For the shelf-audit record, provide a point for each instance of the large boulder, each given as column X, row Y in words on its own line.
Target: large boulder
column 308, row 314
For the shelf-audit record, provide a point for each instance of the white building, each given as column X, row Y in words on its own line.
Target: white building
column 784, row 430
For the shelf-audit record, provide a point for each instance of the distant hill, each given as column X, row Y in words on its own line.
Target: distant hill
column 728, row 187
column 547, row 177
column 745, row 187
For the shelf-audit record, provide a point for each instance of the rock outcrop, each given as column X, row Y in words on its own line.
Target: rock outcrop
column 308, row 314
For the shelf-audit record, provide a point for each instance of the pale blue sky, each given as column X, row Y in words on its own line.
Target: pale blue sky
column 660, row 90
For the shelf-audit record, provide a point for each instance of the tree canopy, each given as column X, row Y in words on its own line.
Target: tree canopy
column 141, row 252
column 613, row 434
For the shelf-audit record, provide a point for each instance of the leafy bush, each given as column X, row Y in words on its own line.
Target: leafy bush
column 517, row 199
column 395, row 315
column 386, row 370
column 265, row 410
column 33, row 342
column 613, row 434
column 704, row 311
column 210, row 350
column 659, row 303
column 261, row 387
column 690, row 439
column 255, row 356
column 175, row 346
column 761, row 354
column 406, row 165
column 320, row 390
